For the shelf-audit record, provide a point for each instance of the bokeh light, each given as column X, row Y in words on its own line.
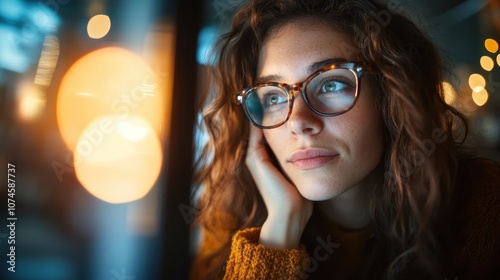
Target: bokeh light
column 491, row 45
column 480, row 97
column 111, row 80
column 487, row 63
column 450, row 94
column 48, row 61
column 98, row 26
column 477, row 82
column 118, row 160
column 31, row 101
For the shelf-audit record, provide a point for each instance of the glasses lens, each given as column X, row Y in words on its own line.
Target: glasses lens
column 267, row 105
column 333, row 91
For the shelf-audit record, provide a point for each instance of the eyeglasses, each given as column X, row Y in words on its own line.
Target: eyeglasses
column 330, row 91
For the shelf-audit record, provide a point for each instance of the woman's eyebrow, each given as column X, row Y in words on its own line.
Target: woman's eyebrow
column 268, row 78
column 327, row 62
column 311, row 69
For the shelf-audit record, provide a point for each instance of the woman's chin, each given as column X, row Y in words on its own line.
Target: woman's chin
column 319, row 193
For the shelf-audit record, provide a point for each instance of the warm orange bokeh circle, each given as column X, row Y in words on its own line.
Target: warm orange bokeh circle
column 110, row 109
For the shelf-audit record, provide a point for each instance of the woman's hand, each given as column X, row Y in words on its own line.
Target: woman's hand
column 288, row 211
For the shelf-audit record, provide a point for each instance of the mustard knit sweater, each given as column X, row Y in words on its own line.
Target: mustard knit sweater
column 250, row 260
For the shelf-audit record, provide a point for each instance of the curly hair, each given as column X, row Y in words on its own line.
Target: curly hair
column 410, row 205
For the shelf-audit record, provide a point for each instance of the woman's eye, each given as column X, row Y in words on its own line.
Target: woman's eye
column 333, row 86
column 273, row 99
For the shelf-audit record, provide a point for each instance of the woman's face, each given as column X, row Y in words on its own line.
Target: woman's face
column 323, row 156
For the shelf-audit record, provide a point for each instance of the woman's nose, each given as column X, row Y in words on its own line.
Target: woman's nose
column 303, row 120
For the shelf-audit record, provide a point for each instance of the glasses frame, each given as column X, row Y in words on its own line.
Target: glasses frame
column 354, row 67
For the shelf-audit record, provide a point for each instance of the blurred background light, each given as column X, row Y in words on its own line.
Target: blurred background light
column 487, row 63
column 130, row 131
column 75, row 225
column 450, row 94
column 23, row 27
column 477, row 82
column 491, row 45
column 480, row 97
column 98, row 26
column 12, row 10
column 48, row 61
column 31, row 101
column 111, row 80
column 43, row 17
column 14, row 55
column 206, row 42
column 120, row 161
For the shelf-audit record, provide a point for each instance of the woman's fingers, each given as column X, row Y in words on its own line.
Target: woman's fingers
column 256, row 146
column 276, row 190
column 288, row 211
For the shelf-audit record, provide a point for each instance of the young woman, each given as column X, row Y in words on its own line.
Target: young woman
column 332, row 154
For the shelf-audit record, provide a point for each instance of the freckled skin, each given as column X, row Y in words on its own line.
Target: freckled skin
column 355, row 135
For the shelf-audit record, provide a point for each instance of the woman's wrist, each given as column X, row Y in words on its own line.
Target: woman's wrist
column 283, row 231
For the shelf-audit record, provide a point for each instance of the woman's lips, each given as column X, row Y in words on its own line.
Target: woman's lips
column 311, row 158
